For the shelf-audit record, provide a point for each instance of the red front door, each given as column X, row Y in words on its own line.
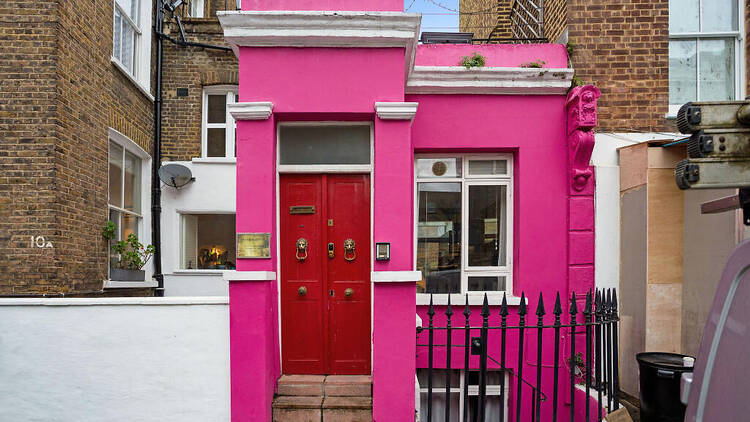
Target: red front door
column 325, row 274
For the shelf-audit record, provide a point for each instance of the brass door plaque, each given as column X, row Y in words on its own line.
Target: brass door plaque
column 302, row 209
column 253, row 245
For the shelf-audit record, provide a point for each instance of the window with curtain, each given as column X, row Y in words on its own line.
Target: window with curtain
column 218, row 134
column 464, row 223
column 704, row 51
column 495, row 402
column 195, row 8
column 124, row 198
column 127, row 33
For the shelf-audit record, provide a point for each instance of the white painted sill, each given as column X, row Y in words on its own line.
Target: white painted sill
column 114, row 284
column 475, row 299
column 144, row 89
column 218, row 273
column 214, row 160
column 112, row 301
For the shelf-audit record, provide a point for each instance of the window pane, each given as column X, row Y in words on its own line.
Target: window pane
column 216, row 142
column 130, row 7
column 717, row 69
column 488, row 167
column 115, row 174
column 718, row 15
column 682, row 71
column 439, row 167
column 117, row 36
column 325, row 145
column 196, row 8
column 486, row 284
column 132, row 183
column 128, row 47
column 439, row 237
column 487, row 217
column 493, row 407
column 217, row 108
column 114, row 216
column 208, row 241
column 683, row 16
column 129, row 225
column 438, row 378
column 438, row 406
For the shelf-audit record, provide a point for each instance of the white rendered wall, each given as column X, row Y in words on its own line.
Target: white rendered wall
column 606, row 162
column 212, row 192
column 121, row 359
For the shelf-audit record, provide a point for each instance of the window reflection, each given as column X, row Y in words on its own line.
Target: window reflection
column 439, row 237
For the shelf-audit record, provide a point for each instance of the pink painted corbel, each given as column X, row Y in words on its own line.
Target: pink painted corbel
column 581, row 112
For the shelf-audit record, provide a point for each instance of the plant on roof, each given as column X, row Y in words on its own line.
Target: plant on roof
column 534, row 64
column 475, row 60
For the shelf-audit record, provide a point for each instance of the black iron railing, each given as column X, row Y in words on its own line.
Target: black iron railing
column 598, row 371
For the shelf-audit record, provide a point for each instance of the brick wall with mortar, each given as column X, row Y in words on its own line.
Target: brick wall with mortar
column 61, row 94
column 485, row 18
column 555, row 19
column 193, row 68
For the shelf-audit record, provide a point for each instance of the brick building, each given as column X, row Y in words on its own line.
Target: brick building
column 75, row 89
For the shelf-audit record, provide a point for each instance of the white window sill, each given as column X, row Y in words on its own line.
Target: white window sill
column 199, row 272
column 475, row 299
column 114, row 284
column 215, row 160
column 141, row 87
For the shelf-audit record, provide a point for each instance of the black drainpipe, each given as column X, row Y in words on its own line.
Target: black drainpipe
column 155, row 182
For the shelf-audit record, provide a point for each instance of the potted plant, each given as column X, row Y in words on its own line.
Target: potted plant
column 129, row 256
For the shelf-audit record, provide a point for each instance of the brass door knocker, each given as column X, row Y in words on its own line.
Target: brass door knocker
column 301, row 247
column 349, row 250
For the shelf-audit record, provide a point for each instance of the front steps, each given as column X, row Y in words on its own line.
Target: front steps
column 320, row 398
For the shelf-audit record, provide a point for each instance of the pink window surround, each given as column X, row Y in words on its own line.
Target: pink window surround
column 553, row 218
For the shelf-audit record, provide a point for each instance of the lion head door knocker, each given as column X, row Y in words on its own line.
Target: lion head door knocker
column 301, row 248
column 349, row 250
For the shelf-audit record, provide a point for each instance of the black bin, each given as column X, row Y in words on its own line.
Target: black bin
column 660, row 375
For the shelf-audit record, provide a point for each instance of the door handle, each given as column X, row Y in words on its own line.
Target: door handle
column 348, row 292
column 331, row 251
column 301, row 247
column 302, row 290
column 349, row 246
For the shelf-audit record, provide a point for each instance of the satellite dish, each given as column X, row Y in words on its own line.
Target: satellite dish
column 175, row 175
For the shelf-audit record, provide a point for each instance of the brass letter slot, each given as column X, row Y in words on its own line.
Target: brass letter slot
column 302, row 209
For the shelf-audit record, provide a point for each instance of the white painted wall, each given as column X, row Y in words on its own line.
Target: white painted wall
column 606, row 162
column 212, row 192
column 114, row 359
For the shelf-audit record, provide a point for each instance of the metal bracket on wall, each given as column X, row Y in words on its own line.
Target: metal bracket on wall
column 730, row 203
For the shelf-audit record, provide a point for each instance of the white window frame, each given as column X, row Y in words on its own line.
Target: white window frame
column 181, row 239
column 492, row 390
column 143, row 230
column 739, row 52
column 466, row 180
column 141, row 73
column 230, row 92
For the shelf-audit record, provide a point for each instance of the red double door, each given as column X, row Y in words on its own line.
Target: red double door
column 325, row 274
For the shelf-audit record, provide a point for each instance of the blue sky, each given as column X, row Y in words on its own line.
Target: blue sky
column 434, row 17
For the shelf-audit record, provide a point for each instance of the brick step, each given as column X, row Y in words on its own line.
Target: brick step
column 326, row 386
column 316, row 398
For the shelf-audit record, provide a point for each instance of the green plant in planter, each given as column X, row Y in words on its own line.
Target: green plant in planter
column 535, row 64
column 475, row 60
column 133, row 255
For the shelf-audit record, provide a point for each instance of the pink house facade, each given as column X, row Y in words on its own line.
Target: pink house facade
column 373, row 174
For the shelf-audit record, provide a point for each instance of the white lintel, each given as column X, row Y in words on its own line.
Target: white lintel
column 396, row 110
column 259, row 110
column 489, row 80
column 395, row 276
column 274, row 28
column 249, row 275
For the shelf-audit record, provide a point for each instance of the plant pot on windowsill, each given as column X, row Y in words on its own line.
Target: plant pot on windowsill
column 117, row 274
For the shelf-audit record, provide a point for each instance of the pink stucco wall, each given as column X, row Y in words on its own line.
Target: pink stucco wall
column 343, row 84
column 496, row 55
column 350, row 5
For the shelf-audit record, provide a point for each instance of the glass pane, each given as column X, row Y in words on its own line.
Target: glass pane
column 115, row 174
column 325, row 145
column 114, row 216
column 132, row 183
column 682, row 71
column 128, row 47
column 129, row 226
column 718, row 15
column 486, row 284
column 216, row 142
column 439, row 167
column 117, row 36
column 717, row 69
column 488, row 167
column 492, row 409
column 196, row 8
column 487, row 219
column 683, row 16
column 130, row 7
column 208, row 241
column 439, row 237
column 438, row 405
column 217, row 108
column 438, row 378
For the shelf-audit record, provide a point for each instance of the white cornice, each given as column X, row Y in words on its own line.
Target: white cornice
column 321, row 29
column 395, row 276
column 396, row 111
column 488, row 80
column 250, row 111
column 249, row 275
